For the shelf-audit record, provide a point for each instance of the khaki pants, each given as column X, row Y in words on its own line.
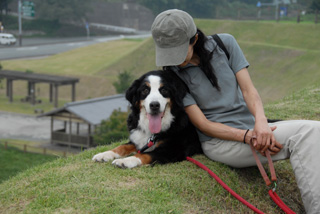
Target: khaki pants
column 301, row 141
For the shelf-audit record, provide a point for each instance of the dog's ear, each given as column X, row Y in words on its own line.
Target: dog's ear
column 131, row 93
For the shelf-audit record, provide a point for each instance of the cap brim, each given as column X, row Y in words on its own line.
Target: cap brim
column 171, row 56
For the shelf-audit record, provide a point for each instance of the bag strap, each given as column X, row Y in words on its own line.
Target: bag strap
column 220, row 44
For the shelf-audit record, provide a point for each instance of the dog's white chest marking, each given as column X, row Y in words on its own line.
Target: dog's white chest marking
column 141, row 134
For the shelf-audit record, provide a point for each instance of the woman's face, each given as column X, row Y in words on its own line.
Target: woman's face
column 190, row 53
column 189, row 56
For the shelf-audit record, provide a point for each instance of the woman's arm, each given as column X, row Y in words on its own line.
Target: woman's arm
column 219, row 130
column 264, row 135
column 213, row 129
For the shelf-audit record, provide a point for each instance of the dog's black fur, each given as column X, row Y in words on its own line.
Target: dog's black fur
column 174, row 144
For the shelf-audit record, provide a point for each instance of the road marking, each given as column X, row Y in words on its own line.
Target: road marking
column 27, row 49
column 75, row 44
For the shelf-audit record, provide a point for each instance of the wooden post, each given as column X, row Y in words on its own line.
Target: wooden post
column 33, row 93
column 51, row 132
column 73, row 92
column 10, row 89
column 44, row 151
column 64, row 154
column 89, row 135
column 78, row 128
column 50, row 93
column 56, row 96
column 24, row 148
column 298, row 17
column 6, row 145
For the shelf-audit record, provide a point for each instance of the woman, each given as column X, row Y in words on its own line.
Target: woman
column 225, row 107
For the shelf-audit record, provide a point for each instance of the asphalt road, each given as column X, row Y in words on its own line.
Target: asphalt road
column 40, row 47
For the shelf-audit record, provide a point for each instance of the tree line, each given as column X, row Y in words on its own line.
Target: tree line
column 74, row 10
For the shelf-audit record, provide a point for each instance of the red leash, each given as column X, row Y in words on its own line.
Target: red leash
column 225, row 186
column 272, row 192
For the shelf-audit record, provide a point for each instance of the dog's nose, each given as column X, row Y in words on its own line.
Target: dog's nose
column 154, row 106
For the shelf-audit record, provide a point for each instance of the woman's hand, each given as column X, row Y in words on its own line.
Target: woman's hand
column 263, row 138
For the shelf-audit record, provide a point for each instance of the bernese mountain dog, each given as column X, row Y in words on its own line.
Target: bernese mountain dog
column 160, row 130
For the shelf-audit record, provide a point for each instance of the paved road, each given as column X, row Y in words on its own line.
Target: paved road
column 36, row 47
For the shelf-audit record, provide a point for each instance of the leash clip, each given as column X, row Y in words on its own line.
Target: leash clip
column 275, row 187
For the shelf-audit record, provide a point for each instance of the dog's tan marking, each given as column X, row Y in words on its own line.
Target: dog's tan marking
column 145, row 158
column 125, row 150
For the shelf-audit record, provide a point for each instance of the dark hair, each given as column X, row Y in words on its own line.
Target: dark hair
column 205, row 56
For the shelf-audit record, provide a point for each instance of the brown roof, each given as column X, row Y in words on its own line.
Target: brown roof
column 35, row 77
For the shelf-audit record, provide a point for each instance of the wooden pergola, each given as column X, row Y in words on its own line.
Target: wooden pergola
column 33, row 79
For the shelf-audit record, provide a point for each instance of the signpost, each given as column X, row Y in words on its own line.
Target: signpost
column 28, row 8
column 25, row 8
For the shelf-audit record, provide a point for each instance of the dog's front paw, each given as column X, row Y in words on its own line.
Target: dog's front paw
column 105, row 156
column 128, row 162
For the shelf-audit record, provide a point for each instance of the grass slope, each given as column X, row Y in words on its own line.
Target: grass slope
column 283, row 58
column 13, row 161
column 78, row 185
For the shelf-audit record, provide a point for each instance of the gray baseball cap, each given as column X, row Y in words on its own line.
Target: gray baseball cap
column 171, row 32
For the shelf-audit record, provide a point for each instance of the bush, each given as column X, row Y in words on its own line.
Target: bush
column 113, row 129
column 124, row 81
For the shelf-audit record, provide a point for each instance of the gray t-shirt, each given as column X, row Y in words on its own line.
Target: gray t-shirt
column 226, row 106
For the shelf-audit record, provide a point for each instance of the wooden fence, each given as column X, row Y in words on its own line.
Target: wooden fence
column 34, row 149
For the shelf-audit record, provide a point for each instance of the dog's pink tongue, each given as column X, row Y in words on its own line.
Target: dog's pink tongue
column 154, row 123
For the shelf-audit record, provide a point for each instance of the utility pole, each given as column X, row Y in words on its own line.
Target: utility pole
column 20, row 22
column 276, row 2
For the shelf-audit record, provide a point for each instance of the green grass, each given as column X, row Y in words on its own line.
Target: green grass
column 78, row 185
column 25, row 107
column 303, row 104
column 284, row 68
column 85, row 61
column 13, row 161
column 283, row 58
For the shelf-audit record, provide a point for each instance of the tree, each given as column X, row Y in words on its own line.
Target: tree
column 4, row 7
column 315, row 6
column 61, row 10
column 197, row 9
column 124, row 81
column 113, row 129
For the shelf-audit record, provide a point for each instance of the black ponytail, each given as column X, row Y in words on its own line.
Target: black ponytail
column 205, row 57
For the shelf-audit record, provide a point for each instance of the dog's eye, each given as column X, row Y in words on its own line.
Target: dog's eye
column 145, row 91
column 164, row 91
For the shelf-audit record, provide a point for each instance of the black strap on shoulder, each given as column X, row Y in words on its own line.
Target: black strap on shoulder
column 220, row 44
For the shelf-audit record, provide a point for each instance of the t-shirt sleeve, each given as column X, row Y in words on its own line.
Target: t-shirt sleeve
column 188, row 100
column 237, row 59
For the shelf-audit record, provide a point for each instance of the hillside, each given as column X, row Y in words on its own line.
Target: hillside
column 286, row 73
column 78, row 185
column 283, row 58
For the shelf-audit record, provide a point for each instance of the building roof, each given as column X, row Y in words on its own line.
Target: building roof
column 35, row 77
column 93, row 111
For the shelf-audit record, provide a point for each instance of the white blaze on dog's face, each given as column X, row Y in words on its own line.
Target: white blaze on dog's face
column 155, row 101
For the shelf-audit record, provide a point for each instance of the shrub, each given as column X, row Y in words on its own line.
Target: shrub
column 124, row 81
column 113, row 129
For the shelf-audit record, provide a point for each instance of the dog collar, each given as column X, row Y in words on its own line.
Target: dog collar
column 150, row 142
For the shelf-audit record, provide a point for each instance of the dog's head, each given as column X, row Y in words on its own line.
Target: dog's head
column 157, row 95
